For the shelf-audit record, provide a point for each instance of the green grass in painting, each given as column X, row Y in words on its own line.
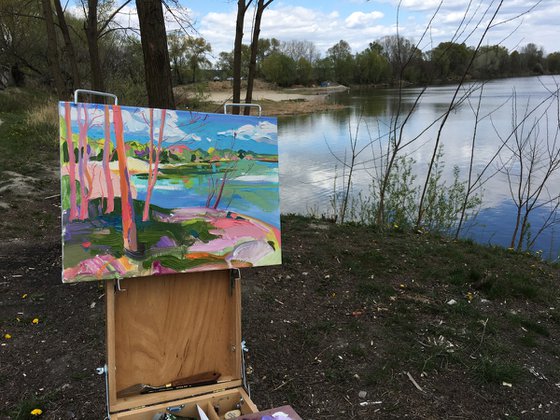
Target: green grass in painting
column 103, row 233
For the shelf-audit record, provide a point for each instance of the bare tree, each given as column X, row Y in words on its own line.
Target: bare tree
column 156, row 55
column 530, row 168
column 260, row 7
column 52, row 52
column 68, row 46
column 242, row 7
column 452, row 103
column 95, row 29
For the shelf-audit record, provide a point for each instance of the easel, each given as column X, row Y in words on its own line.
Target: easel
column 160, row 329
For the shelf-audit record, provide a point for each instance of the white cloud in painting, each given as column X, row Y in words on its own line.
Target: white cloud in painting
column 263, row 132
column 137, row 122
column 192, row 136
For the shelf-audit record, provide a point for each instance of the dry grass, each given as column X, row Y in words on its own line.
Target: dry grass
column 45, row 114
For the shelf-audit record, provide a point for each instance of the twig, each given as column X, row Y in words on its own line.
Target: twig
column 484, row 323
column 282, row 384
column 418, row 387
column 51, row 196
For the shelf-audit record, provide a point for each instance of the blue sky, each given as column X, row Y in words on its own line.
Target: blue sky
column 360, row 22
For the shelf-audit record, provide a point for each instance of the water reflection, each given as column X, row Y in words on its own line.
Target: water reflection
column 314, row 147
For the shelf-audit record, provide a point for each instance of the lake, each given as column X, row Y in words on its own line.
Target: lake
column 313, row 147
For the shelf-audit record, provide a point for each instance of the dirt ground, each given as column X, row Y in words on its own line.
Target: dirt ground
column 314, row 342
column 354, row 324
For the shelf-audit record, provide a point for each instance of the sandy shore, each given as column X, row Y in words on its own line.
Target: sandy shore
column 273, row 101
column 261, row 95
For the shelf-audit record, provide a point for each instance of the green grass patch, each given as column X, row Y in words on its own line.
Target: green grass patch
column 510, row 285
column 529, row 324
column 488, row 370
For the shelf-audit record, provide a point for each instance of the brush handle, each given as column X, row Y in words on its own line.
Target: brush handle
column 204, row 378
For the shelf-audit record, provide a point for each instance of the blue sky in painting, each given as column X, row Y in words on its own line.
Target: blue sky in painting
column 196, row 130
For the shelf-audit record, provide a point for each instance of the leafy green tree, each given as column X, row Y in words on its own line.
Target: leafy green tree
column 553, row 62
column 279, row 68
column 515, row 65
column 532, row 58
column 177, row 44
column 343, row 62
column 491, row 61
column 450, row 59
column 304, row 71
column 323, row 70
column 371, row 66
column 225, row 63
column 197, row 48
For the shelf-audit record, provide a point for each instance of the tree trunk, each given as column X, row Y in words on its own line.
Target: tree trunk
column 76, row 83
column 52, row 51
column 241, row 9
column 261, row 5
column 106, row 161
column 71, row 162
column 130, row 240
column 156, row 55
column 83, row 156
column 90, row 27
column 154, row 172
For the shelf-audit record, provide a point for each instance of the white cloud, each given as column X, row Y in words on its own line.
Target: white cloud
column 263, row 132
column 137, row 122
column 361, row 19
column 361, row 22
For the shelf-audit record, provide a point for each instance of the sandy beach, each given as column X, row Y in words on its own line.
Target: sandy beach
column 274, row 101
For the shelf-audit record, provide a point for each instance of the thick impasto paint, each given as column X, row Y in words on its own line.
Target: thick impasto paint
column 150, row 191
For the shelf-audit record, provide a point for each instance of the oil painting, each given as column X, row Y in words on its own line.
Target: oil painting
column 153, row 191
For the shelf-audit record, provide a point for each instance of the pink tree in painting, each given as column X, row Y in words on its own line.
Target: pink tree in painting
column 71, row 162
column 154, row 161
column 128, row 217
column 83, row 154
column 106, row 158
column 212, row 184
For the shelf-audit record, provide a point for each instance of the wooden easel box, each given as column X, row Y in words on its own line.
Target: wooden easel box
column 167, row 327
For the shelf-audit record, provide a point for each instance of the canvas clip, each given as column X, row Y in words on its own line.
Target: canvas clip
column 94, row 92
column 234, row 274
column 118, row 287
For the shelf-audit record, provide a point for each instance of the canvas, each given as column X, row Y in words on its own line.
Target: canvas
column 153, row 191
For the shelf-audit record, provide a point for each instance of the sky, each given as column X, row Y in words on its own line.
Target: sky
column 360, row 22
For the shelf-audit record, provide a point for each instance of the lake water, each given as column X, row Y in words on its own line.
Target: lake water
column 312, row 147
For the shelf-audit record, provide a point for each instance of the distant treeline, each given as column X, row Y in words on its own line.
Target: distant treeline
column 390, row 59
column 96, row 52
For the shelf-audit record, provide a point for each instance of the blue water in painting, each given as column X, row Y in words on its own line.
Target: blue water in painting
column 174, row 193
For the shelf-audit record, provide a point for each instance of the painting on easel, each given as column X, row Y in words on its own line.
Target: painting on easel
column 150, row 191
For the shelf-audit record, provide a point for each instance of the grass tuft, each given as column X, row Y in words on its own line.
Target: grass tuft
column 492, row 371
